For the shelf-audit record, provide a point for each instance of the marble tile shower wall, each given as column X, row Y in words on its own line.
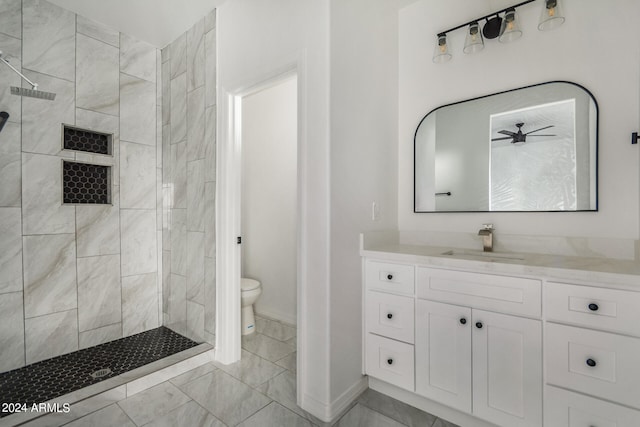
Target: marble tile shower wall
column 188, row 181
column 76, row 276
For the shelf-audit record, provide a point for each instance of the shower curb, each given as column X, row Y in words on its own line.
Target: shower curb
column 105, row 393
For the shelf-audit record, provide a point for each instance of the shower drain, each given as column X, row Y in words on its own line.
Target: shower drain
column 101, row 373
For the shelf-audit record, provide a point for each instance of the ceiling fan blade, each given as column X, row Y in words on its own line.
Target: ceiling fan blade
column 501, row 139
column 537, row 130
column 506, row 132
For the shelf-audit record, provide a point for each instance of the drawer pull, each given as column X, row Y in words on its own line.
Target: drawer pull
column 592, row 363
column 389, row 276
column 390, row 361
column 593, row 307
column 479, row 325
column 463, row 321
column 389, row 316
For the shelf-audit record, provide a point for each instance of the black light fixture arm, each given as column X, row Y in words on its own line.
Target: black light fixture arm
column 466, row 24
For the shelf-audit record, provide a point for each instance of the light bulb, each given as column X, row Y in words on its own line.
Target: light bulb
column 551, row 12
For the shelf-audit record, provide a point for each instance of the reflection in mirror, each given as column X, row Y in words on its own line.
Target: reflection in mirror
column 525, row 150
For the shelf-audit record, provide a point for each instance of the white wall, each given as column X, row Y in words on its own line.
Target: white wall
column 364, row 103
column 256, row 39
column 596, row 47
column 269, row 186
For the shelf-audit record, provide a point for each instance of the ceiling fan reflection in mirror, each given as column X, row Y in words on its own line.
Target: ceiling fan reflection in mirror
column 519, row 136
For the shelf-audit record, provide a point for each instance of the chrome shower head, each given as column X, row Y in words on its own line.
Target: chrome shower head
column 21, row 91
column 32, row 93
column 4, row 116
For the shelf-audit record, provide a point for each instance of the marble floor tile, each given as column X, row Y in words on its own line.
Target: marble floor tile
column 193, row 374
column 228, row 399
column 274, row 329
column 97, row 31
column 11, row 17
column 195, row 125
column 49, row 274
column 51, row 335
column 195, row 56
column 178, row 114
column 195, row 266
column 99, row 292
column 97, row 76
column 137, row 58
column 289, row 362
column 266, row 347
column 275, row 415
column 153, row 403
column 10, row 165
column 251, row 369
column 361, row 416
column 41, row 130
column 49, row 39
column 137, row 176
column 11, row 332
column 10, row 250
column 137, row 110
column 111, row 416
column 138, row 241
column 282, row 389
column 42, row 210
column 392, row 408
column 188, row 415
column 139, row 304
column 12, row 51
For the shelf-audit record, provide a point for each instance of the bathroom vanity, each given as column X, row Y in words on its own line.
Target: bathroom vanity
column 507, row 339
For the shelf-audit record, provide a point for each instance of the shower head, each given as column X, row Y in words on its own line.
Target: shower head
column 32, row 93
column 21, row 91
column 4, row 116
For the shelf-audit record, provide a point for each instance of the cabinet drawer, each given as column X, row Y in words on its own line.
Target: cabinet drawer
column 564, row 408
column 513, row 295
column 598, row 308
column 597, row 363
column 390, row 315
column 390, row 361
column 397, row 278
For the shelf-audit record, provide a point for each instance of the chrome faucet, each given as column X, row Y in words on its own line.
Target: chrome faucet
column 487, row 237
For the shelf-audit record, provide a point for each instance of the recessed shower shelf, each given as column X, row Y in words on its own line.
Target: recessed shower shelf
column 88, row 141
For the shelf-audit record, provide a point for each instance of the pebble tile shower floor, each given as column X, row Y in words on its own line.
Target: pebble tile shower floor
column 51, row 378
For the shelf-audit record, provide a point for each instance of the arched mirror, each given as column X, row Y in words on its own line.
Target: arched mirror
column 532, row 149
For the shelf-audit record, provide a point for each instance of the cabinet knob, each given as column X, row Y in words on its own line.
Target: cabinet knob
column 479, row 325
column 389, row 276
column 389, row 316
column 593, row 307
column 390, row 361
column 591, row 362
column 463, row 321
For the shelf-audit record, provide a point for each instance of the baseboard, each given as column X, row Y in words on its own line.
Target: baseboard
column 276, row 315
column 329, row 413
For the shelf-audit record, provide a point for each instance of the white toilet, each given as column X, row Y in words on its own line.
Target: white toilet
column 250, row 290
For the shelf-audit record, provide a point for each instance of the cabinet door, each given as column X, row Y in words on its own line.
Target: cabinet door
column 443, row 353
column 507, row 369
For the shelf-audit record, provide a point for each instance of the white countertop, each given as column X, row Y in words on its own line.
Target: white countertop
column 606, row 272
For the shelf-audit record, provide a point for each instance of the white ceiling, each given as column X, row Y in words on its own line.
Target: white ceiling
column 158, row 22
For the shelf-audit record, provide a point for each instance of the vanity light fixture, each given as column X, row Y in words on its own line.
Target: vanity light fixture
column 505, row 28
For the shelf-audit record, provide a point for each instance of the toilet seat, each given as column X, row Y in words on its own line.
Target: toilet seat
column 249, row 284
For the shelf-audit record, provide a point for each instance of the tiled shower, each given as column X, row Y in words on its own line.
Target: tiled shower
column 75, row 275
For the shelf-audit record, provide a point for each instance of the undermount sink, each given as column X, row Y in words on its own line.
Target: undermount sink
column 488, row 256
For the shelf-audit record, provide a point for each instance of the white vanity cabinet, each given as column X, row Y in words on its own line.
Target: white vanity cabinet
column 478, row 361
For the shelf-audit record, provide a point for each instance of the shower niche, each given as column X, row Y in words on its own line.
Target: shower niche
column 85, row 182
